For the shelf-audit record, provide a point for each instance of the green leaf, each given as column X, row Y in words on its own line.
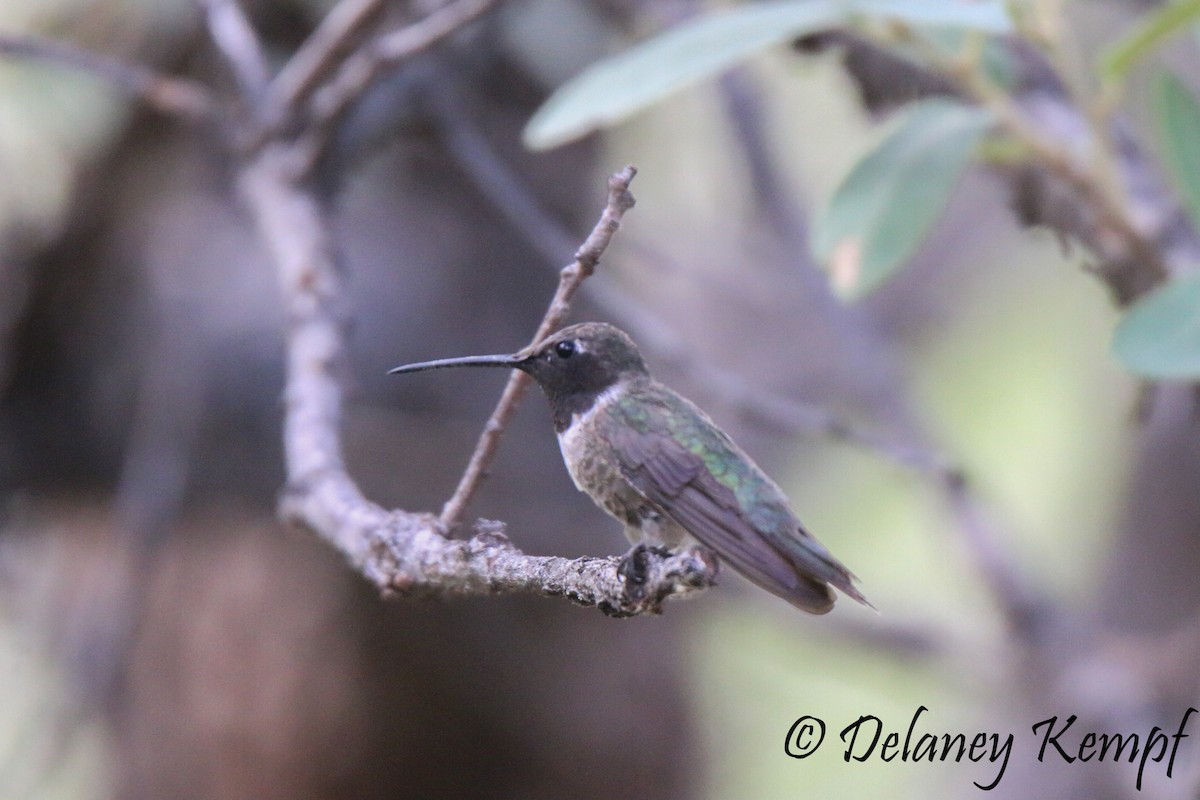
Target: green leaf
column 1179, row 128
column 1159, row 336
column 886, row 204
column 613, row 89
column 1149, row 33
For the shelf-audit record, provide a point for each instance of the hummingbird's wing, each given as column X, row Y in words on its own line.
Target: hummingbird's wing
column 699, row 478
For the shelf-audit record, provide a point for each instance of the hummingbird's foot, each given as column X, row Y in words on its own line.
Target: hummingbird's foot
column 635, row 568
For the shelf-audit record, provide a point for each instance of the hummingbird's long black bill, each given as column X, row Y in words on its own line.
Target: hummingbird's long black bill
column 513, row 361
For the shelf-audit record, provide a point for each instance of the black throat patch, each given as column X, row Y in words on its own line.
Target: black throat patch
column 564, row 407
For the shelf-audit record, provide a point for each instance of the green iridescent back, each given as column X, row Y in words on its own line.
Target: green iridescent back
column 654, row 409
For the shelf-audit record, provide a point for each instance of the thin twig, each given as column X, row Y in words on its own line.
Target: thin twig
column 174, row 96
column 1023, row 608
column 1027, row 611
column 496, row 181
column 238, row 42
column 572, row 277
column 337, row 95
column 744, row 113
column 403, row 552
column 510, row 196
column 400, row 552
column 322, row 53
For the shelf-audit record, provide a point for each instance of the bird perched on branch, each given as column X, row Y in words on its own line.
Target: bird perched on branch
column 657, row 463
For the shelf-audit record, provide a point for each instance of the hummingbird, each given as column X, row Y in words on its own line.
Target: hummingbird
column 658, row 464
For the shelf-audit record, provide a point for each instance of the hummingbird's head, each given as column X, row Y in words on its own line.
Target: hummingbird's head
column 573, row 366
column 582, row 359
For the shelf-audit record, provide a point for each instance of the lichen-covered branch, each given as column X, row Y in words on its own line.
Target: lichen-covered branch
column 401, row 552
column 405, row 552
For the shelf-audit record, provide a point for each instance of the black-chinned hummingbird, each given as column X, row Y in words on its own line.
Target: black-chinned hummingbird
column 657, row 463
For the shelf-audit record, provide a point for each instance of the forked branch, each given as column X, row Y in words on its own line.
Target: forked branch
column 406, row 552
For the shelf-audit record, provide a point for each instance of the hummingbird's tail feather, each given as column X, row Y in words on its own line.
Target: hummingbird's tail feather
column 783, row 573
column 704, row 484
column 807, row 594
column 814, row 561
column 781, row 579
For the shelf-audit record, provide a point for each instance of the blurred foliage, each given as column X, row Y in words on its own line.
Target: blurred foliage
column 1013, row 375
column 611, row 90
column 49, row 122
column 47, row 750
column 53, row 120
column 55, row 123
column 1178, row 121
column 1160, row 336
column 1015, row 378
column 881, row 212
column 1147, row 36
column 44, row 753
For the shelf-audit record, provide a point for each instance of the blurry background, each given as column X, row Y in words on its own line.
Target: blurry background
column 162, row 636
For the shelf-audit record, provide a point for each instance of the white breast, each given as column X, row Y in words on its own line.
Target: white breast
column 569, row 440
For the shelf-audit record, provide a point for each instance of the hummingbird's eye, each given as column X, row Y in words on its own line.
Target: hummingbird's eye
column 565, row 348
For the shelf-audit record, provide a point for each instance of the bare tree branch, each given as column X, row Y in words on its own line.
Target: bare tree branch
column 174, row 96
column 339, row 92
column 386, row 545
column 323, row 52
column 405, row 552
column 572, row 277
column 238, row 42
column 509, row 195
column 401, row 552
